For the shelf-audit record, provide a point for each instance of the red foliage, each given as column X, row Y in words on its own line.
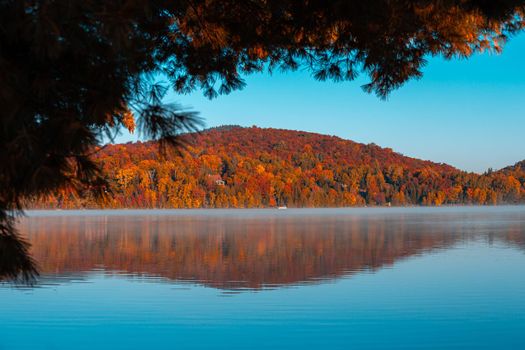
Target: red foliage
column 254, row 167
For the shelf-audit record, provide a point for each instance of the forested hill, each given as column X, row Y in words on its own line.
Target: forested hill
column 518, row 167
column 239, row 167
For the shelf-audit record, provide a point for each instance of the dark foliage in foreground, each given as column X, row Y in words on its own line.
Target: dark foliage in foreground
column 15, row 262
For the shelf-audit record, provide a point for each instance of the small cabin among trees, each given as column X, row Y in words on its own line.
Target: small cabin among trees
column 215, row 179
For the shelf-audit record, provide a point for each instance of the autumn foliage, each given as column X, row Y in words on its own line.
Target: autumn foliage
column 235, row 167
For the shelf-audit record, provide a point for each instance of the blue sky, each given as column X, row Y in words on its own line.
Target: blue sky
column 467, row 113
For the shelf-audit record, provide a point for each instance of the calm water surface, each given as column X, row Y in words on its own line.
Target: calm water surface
column 442, row 278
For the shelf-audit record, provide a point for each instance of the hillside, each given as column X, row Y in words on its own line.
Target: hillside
column 518, row 167
column 233, row 166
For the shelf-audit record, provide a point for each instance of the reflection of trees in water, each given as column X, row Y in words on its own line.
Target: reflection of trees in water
column 246, row 252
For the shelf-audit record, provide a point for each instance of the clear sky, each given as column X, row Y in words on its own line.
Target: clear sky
column 467, row 113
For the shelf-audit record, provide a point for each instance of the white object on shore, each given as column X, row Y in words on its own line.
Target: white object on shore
column 282, row 208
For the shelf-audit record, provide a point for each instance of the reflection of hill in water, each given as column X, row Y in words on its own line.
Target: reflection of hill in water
column 248, row 252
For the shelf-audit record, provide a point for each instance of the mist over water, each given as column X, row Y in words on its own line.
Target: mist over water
column 332, row 278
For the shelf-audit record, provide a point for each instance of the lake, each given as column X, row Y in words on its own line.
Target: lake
column 368, row 278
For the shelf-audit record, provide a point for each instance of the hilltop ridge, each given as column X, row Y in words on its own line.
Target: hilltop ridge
column 233, row 166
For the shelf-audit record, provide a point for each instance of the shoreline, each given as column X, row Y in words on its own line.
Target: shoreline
column 276, row 212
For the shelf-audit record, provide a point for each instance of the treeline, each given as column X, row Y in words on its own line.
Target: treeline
column 234, row 167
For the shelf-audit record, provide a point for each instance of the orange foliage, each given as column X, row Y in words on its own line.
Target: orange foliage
column 234, row 167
